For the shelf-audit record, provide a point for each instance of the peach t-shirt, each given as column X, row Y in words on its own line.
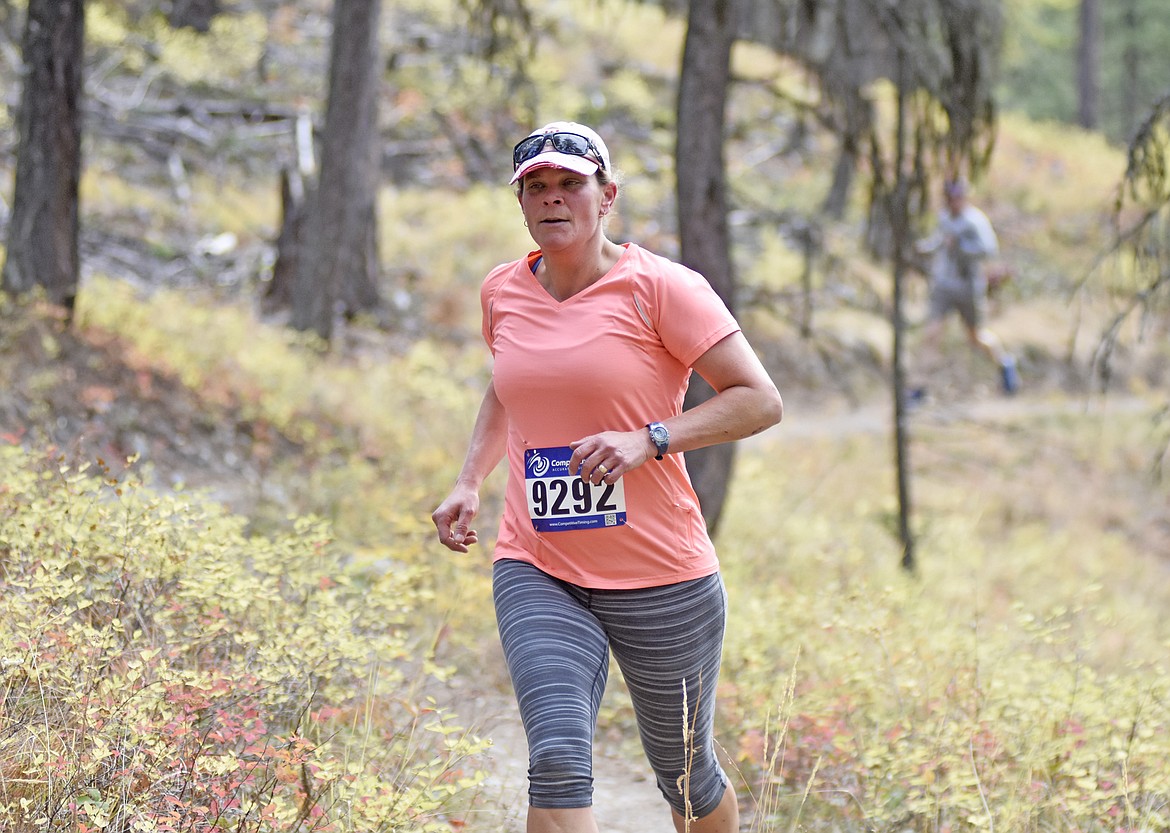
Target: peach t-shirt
column 615, row 356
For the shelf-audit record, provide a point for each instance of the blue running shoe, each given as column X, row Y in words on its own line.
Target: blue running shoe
column 1009, row 376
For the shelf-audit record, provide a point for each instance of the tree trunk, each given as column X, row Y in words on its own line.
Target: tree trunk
column 339, row 262
column 278, row 293
column 702, row 204
column 294, row 201
column 43, row 229
column 844, row 70
column 899, row 216
column 194, row 14
column 837, row 199
column 1088, row 64
column 1131, row 63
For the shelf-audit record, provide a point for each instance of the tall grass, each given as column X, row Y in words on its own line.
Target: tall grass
column 1018, row 684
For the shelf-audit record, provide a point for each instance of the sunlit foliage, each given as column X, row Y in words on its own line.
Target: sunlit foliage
column 231, row 48
column 162, row 670
column 1020, row 684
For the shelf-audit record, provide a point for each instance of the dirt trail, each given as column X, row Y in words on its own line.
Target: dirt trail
column 625, row 799
column 876, row 417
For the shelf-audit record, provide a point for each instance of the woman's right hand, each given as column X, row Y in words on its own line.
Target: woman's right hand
column 453, row 519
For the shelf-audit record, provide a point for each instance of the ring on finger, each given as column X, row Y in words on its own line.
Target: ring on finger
column 601, row 468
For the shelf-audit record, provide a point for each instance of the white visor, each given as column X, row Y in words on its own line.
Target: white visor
column 552, row 159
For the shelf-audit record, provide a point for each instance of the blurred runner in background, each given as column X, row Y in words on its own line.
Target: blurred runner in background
column 960, row 244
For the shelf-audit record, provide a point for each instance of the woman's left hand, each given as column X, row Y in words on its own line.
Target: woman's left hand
column 605, row 457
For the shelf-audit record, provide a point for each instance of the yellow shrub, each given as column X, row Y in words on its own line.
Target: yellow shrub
column 1019, row 684
column 158, row 666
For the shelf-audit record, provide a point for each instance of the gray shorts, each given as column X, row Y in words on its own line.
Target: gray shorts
column 557, row 638
column 968, row 299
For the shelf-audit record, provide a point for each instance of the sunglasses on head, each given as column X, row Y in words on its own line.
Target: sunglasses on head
column 570, row 143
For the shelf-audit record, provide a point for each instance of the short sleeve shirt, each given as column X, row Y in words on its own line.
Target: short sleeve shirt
column 615, row 356
column 961, row 267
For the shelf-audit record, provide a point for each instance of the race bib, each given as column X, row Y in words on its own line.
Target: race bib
column 559, row 499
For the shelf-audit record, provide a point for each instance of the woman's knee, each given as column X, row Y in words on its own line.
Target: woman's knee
column 697, row 791
column 560, row 778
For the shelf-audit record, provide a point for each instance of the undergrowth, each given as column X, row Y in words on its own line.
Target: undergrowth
column 160, row 669
column 373, row 424
column 1018, row 684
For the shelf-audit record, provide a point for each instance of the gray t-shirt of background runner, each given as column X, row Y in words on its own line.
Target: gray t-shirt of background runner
column 961, row 265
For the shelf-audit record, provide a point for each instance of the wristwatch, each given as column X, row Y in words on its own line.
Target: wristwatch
column 660, row 437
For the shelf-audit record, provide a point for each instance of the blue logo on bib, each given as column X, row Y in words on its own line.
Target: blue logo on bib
column 558, row 499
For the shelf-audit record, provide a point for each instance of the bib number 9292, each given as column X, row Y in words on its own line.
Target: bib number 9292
column 559, row 499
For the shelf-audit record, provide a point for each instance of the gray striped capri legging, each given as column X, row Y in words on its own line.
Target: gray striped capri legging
column 557, row 638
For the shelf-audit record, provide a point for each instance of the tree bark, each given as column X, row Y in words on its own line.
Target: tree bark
column 843, row 72
column 1131, row 67
column 702, row 205
column 44, row 227
column 899, row 216
column 338, row 266
column 278, row 293
column 1088, row 64
column 194, row 14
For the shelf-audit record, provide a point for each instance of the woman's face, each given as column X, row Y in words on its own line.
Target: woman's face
column 562, row 207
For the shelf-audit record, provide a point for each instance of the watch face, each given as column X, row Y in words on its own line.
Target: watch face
column 660, row 437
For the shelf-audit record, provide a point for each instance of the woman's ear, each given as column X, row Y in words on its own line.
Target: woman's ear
column 608, row 197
